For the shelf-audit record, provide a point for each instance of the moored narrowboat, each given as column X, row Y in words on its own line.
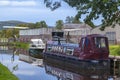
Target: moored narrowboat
column 91, row 49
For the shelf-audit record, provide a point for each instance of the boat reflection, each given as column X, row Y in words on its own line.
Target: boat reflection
column 66, row 71
column 25, row 55
column 37, row 53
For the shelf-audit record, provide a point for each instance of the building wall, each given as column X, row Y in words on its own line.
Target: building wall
column 45, row 33
column 113, row 34
column 75, row 33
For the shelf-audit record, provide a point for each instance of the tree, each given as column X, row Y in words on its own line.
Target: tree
column 76, row 20
column 32, row 25
column 69, row 19
column 108, row 10
column 9, row 33
column 72, row 19
column 23, row 25
column 59, row 24
column 37, row 24
column 43, row 24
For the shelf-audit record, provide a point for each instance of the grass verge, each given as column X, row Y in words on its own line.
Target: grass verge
column 114, row 50
column 5, row 74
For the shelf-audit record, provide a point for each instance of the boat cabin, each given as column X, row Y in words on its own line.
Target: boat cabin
column 37, row 44
column 94, row 46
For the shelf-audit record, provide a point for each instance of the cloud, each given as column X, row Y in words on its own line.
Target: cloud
column 24, row 72
column 18, row 3
column 4, row 3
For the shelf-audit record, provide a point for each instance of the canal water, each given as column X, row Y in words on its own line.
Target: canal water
column 29, row 68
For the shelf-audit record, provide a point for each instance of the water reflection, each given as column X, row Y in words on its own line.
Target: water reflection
column 37, row 53
column 23, row 70
column 73, row 71
column 48, row 68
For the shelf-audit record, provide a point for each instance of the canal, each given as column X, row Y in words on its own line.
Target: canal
column 29, row 68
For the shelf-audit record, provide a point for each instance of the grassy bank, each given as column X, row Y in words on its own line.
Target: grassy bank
column 114, row 50
column 5, row 74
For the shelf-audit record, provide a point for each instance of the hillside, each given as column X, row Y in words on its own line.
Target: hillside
column 10, row 23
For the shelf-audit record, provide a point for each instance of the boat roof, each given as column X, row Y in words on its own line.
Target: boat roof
column 95, row 35
column 63, row 44
column 36, row 39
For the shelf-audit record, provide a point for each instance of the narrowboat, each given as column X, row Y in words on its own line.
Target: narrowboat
column 91, row 48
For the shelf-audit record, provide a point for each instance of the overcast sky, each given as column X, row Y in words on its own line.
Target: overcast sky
column 33, row 11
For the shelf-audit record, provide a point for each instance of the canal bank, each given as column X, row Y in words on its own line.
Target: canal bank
column 23, row 70
column 5, row 74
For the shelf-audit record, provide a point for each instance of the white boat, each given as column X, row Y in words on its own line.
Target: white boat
column 37, row 44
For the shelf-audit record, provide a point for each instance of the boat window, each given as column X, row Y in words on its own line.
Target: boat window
column 86, row 41
column 100, row 42
column 49, row 48
column 82, row 43
column 69, row 51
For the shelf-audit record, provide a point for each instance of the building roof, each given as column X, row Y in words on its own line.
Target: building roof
column 76, row 26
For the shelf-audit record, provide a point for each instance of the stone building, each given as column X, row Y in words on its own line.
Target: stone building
column 28, row 34
column 113, row 34
column 71, row 31
column 76, row 31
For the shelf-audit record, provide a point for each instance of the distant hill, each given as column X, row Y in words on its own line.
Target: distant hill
column 10, row 23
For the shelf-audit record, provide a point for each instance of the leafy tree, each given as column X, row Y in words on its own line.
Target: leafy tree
column 31, row 25
column 52, row 5
column 37, row 24
column 1, row 35
column 23, row 25
column 72, row 19
column 59, row 24
column 109, row 10
column 76, row 20
column 40, row 24
column 9, row 33
column 69, row 19
column 43, row 24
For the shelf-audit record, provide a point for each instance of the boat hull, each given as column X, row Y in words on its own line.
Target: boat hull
column 84, row 64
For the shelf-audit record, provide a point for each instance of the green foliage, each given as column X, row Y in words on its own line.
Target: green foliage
column 5, row 74
column 69, row 19
column 72, row 19
column 59, row 24
column 9, row 33
column 52, row 5
column 41, row 24
column 115, row 50
column 108, row 11
column 21, row 45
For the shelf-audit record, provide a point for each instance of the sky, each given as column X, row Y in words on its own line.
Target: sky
column 33, row 11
